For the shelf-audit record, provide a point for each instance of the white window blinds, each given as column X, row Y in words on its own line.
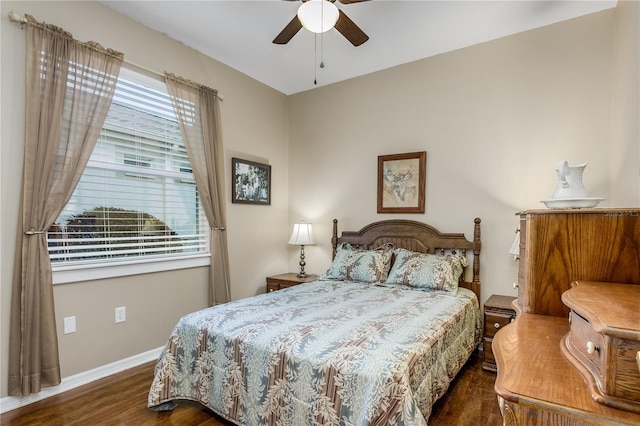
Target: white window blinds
column 137, row 197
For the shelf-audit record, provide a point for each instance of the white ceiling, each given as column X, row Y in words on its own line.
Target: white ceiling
column 239, row 33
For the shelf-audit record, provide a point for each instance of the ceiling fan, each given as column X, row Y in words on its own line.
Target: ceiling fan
column 343, row 24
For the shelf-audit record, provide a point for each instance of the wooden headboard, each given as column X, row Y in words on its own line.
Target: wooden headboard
column 415, row 236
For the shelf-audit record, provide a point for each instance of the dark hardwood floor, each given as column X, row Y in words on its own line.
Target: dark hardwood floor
column 121, row 400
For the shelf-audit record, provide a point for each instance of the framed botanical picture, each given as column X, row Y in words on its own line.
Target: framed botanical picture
column 251, row 182
column 401, row 182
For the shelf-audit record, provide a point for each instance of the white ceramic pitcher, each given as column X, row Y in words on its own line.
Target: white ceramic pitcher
column 569, row 181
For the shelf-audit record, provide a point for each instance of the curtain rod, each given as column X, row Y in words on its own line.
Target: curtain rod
column 14, row 17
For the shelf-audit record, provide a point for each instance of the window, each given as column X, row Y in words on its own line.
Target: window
column 137, row 199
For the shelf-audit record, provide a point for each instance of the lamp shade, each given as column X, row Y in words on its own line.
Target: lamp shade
column 318, row 16
column 302, row 235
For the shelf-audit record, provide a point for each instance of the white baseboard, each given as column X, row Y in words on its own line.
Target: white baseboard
column 9, row 403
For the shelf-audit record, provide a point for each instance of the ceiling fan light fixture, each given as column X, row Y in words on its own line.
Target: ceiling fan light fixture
column 318, row 16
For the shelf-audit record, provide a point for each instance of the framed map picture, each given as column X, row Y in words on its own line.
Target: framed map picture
column 401, row 182
column 251, row 182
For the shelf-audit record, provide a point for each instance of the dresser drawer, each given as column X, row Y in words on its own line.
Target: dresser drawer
column 280, row 284
column 604, row 340
column 623, row 381
column 610, row 362
column 588, row 345
column 495, row 321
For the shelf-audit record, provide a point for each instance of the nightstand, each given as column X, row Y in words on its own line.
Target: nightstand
column 498, row 312
column 278, row 282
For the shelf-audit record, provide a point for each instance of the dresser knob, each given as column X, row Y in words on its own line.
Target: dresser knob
column 591, row 348
column 496, row 325
column 638, row 360
column 515, row 285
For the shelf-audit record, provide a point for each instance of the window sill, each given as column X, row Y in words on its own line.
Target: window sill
column 80, row 273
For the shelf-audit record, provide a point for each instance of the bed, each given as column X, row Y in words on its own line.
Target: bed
column 376, row 340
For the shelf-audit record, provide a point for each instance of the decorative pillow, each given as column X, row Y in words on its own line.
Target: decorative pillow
column 427, row 271
column 360, row 265
column 337, row 269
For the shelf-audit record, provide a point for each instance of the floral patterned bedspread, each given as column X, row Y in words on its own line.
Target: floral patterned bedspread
column 325, row 352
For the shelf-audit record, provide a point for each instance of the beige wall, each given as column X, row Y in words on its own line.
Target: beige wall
column 494, row 118
column 255, row 120
column 625, row 140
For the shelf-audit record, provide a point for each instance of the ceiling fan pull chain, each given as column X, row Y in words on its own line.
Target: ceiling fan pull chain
column 315, row 58
column 322, row 50
column 322, row 38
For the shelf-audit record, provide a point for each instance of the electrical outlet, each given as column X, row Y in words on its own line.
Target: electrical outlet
column 69, row 325
column 121, row 314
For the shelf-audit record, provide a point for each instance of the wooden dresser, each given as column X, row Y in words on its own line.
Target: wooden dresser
column 536, row 384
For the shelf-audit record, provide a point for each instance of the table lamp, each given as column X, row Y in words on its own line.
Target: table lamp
column 302, row 235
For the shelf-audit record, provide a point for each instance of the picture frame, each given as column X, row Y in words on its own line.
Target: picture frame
column 250, row 182
column 402, row 182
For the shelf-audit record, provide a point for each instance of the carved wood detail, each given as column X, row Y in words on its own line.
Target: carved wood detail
column 416, row 236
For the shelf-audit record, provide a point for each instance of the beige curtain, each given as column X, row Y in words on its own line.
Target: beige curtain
column 69, row 87
column 198, row 111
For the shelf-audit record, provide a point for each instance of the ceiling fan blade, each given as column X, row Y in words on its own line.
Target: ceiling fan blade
column 350, row 30
column 351, row 1
column 288, row 32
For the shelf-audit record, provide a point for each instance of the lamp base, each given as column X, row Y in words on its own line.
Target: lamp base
column 302, row 274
